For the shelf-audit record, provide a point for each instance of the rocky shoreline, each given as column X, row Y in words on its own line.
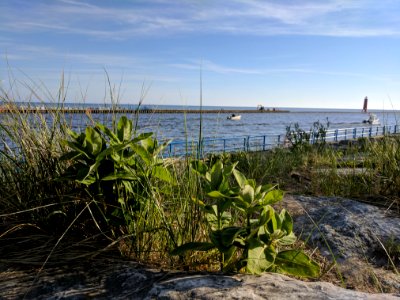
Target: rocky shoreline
column 346, row 231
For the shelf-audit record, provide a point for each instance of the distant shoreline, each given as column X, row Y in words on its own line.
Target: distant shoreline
column 130, row 111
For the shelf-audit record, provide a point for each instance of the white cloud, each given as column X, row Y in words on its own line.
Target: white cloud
column 213, row 67
column 105, row 20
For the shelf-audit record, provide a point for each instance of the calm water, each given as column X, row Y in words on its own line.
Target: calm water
column 178, row 126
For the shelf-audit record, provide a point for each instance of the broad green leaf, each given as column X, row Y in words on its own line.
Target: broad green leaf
column 149, row 144
column 162, row 173
column 264, row 235
column 216, row 175
column 72, row 155
column 287, row 240
column 216, row 194
column 192, row 246
column 108, row 132
column 78, row 148
column 257, row 191
column 216, row 239
column 143, row 153
column 247, row 193
column 295, row 262
column 229, row 259
column 274, row 222
column 272, row 197
column 93, row 140
column 240, row 204
column 287, row 221
column 224, row 204
column 259, row 258
column 240, row 178
column 251, row 182
column 230, row 234
column 120, row 176
column 141, row 136
column 124, row 129
column 228, row 169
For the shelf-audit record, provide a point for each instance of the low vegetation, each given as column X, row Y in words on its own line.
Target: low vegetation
column 102, row 187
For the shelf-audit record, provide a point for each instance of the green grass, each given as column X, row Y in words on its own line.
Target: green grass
column 37, row 201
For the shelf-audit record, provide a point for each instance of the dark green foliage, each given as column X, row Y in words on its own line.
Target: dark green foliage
column 119, row 170
column 259, row 238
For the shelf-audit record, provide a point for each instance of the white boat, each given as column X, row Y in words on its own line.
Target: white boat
column 234, row 117
column 373, row 119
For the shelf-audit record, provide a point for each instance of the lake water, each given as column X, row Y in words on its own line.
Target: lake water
column 254, row 131
column 216, row 125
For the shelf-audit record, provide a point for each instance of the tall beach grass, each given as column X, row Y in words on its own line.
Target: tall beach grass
column 37, row 204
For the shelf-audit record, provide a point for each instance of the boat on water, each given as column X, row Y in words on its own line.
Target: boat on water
column 372, row 120
column 234, row 117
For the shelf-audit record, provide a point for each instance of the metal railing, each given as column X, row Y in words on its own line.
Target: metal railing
column 266, row 142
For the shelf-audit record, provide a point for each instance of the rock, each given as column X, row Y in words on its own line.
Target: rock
column 354, row 235
column 346, row 228
column 267, row 286
column 102, row 279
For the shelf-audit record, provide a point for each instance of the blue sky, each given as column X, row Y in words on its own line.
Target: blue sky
column 316, row 53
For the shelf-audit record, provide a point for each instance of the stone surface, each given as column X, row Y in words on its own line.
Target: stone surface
column 102, row 279
column 354, row 235
column 346, row 228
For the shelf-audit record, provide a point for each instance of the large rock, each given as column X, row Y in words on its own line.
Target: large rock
column 346, row 228
column 103, row 279
column 355, row 235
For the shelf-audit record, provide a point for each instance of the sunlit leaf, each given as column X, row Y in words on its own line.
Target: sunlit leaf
column 124, row 129
column 295, row 262
column 259, row 258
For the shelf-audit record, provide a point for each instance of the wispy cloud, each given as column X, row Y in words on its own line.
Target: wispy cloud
column 310, row 70
column 213, row 67
column 106, row 20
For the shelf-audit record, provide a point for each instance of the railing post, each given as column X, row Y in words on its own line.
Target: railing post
column 370, row 132
column 244, row 144
column 248, row 143
column 264, row 143
column 354, row 133
column 345, row 134
column 336, row 135
column 224, row 144
column 279, row 139
column 362, row 132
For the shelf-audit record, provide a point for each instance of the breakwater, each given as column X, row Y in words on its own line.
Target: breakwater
column 130, row 111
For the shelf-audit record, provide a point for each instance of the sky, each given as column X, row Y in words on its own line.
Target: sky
column 278, row 53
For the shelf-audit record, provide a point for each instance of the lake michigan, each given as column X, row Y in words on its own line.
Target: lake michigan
column 180, row 126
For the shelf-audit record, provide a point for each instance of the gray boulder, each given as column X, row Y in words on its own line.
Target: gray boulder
column 344, row 228
column 106, row 279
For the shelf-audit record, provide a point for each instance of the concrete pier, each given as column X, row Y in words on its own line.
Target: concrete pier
column 131, row 111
